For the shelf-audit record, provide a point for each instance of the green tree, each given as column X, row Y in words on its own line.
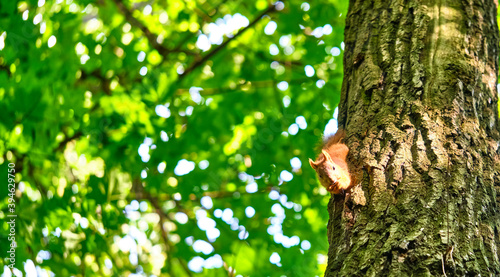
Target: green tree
column 419, row 103
column 167, row 137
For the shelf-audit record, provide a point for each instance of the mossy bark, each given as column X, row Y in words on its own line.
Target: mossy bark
column 419, row 106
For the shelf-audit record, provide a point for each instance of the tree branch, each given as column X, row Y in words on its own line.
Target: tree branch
column 249, row 84
column 63, row 143
column 191, row 35
column 285, row 63
column 164, row 235
column 152, row 38
column 105, row 82
column 6, row 68
column 213, row 194
column 200, row 62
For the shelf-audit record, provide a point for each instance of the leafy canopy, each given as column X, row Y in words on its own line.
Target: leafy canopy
column 167, row 137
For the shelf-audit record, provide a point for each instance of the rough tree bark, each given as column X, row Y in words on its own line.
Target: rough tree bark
column 419, row 105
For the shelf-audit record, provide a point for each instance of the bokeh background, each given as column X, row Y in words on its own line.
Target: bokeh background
column 167, row 138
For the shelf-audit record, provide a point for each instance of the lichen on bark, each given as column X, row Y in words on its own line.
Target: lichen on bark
column 419, row 105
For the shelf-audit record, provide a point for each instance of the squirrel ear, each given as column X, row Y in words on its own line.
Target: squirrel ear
column 313, row 164
column 327, row 156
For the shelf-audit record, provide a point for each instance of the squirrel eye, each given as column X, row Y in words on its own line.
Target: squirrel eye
column 333, row 167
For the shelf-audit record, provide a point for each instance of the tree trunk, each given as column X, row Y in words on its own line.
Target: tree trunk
column 419, row 105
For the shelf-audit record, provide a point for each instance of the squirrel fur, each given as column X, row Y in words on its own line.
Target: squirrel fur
column 331, row 166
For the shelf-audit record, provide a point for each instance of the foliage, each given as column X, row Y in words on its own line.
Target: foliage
column 118, row 124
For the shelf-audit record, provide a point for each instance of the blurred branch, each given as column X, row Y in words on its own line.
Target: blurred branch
column 183, row 42
column 159, row 211
column 63, row 143
column 263, row 57
column 288, row 64
column 200, row 62
column 105, row 82
column 152, row 38
column 168, row 244
column 6, row 68
column 213, row 194
column 21, row 157
column 216, row 8
column 243, row 86
column 121, row 77
column 201, row 13
column 30, row 111
column 191, row 35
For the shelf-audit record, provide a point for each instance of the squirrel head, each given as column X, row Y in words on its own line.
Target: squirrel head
column 331, row 175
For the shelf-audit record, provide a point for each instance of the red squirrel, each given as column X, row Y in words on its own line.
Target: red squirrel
column 331, row 165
